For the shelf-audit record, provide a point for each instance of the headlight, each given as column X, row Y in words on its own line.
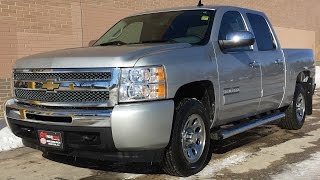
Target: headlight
column 145, row 83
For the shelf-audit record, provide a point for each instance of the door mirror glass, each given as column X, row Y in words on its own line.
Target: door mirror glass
column 237, row 39
column 91, row 43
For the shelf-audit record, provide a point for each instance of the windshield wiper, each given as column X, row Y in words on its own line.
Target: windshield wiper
column 160, row 41
column 115, row 43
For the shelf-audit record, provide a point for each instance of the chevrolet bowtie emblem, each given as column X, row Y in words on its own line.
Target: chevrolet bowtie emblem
column 50, row 86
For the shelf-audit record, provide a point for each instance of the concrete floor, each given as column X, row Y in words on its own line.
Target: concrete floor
column 266, row 152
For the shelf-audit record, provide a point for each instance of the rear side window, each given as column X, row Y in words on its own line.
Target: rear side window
column 262, row 32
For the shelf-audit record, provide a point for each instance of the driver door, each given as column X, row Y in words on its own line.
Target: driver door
column 239, row 74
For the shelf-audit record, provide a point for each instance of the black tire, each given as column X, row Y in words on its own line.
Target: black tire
column 291, row 121
column 175, row 163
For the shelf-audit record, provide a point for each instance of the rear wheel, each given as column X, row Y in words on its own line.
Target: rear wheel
column 188, row 150
column 296, row 112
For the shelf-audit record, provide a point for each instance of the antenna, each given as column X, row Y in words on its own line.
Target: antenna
column 200, row 4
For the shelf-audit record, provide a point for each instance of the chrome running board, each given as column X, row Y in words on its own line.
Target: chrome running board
column 225, row 133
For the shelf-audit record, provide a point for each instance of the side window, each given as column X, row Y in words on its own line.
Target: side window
column 231, row 21
column 262, row 32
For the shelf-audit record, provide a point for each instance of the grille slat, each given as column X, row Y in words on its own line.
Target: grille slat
column 63, row 96
column 70, row 76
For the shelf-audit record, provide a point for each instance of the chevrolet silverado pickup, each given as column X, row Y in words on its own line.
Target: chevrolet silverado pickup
column 158, row 86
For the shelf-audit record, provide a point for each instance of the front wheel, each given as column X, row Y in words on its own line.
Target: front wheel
column 188, row 150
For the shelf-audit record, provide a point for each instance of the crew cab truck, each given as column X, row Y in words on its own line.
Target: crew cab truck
column 158, row 86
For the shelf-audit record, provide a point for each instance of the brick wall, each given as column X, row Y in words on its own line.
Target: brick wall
column 5, row 92
column 33, row 26
column 39, row 16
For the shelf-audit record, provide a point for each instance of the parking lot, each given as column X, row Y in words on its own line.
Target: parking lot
column 267, row 152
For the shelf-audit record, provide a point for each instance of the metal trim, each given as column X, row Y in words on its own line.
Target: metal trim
column 63, row 76
column 62, row 88
column 63, row 70
column 80, row 117
column 62, row 105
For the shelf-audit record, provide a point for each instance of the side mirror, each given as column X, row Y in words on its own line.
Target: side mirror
column 237, row 39
column 91, row 43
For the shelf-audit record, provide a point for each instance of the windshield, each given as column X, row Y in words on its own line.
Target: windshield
column 189, row 26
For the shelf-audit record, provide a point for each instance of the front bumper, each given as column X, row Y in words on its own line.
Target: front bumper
column 137, row 131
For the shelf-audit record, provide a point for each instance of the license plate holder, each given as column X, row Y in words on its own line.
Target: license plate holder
column 51, row 139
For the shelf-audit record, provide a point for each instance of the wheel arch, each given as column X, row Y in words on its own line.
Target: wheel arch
column 201, row 90
column 303, row 76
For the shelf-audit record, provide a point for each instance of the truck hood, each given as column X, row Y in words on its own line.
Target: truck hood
column 91, row 57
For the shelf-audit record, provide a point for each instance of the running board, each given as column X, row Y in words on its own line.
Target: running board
column 237, row 129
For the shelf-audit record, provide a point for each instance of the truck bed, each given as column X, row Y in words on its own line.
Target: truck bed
column 299, row 55
column 297, row 60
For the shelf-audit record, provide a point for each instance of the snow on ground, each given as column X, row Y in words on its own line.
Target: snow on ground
column 128, row 176
column 308, row 169
column 318, row 76
column 211, row 169
column 8, row 141
column 217, row 165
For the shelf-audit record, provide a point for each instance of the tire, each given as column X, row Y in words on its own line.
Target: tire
column 295, row 120
column 177, row 161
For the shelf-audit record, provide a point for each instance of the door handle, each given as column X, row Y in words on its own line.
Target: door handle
column 254, row 64
column 278, row 62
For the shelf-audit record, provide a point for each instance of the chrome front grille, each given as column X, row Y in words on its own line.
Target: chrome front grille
column 63, row 96
column 96, row 87
column 69, row 76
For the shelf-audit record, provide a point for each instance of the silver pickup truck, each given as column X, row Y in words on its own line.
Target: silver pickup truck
column 158, row 86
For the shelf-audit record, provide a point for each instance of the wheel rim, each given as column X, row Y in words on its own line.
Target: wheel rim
column 193, row 138
column 300, row 107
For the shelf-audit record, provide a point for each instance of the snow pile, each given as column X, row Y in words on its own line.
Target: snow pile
column 8, row 140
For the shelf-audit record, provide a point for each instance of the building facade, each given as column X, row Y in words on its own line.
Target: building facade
column 33, row 26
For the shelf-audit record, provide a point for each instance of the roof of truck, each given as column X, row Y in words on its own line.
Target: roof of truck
column 195, row 8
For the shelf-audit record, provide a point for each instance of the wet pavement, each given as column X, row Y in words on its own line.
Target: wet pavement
column 267, row 152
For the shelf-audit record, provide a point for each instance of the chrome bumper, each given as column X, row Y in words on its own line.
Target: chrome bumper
column 91, row 118
column 134, row 126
